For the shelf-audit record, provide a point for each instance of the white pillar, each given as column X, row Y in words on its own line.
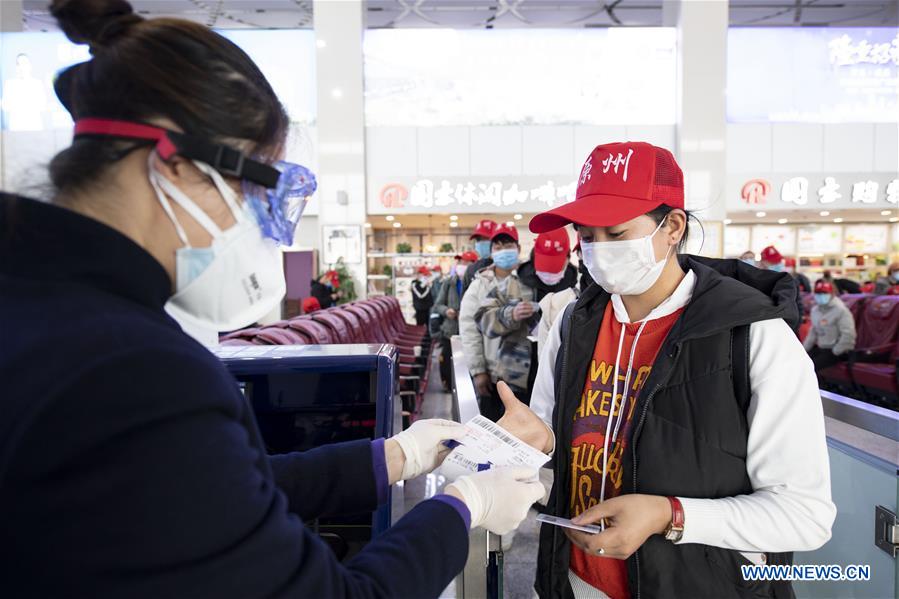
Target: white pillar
column 339, row 27
column 701, row 111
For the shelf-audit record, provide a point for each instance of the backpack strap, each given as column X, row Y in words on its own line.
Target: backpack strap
column 739, row 352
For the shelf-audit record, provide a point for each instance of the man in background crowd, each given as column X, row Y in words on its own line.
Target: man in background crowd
column 422, row 298
column 748, row 257
column 832, row 334
column 326, row 289
column 549, row 270
column 888, row 285
column 481, row 236
column 497, row 313
column 446, row 313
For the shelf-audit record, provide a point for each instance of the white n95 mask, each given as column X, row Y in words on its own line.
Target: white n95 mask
column 234, row 282
column 626, row 267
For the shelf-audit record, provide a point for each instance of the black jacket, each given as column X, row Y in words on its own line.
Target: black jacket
column 130, row 463
column 322, row 293
column 426, row 290
column 689, row 434
column 528, row 275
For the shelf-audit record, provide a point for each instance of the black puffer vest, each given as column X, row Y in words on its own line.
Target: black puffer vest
column 689, row 433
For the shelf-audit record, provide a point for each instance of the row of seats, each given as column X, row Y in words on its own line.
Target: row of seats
column 870, row 371
column 374, row 320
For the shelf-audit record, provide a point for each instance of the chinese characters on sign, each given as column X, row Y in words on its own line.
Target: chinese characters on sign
column 829, row 193
column 865, row 192
column 843, row 52
column 796, row 191
column 425, row 194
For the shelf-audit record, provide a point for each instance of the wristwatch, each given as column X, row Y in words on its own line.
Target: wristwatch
column 675, row 530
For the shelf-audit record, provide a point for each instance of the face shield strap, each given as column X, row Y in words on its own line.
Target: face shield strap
column 224, row 159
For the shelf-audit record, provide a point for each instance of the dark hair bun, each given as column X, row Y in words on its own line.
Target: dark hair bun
column 93, row 22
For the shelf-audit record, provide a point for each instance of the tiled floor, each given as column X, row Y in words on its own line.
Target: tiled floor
column 520, row 560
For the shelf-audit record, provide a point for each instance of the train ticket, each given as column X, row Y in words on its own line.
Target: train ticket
column 486, row 444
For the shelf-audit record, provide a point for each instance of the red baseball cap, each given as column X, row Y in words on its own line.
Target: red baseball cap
column 468, row 256
column 484, row 229
column 504, row 229
column 822, row 286
column 311, row 304
column 771, row 255
column 424, row 270
column 436, row 268
column 551, row 251
column 618, row 182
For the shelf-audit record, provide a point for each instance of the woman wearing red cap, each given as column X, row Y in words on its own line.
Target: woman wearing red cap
column 684, row 414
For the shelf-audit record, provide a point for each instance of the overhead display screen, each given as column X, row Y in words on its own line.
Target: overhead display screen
column 813, row 75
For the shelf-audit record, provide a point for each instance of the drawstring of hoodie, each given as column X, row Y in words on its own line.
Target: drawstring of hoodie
column 621, row 407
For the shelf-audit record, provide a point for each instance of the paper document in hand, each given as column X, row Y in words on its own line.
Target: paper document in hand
column 487, row 444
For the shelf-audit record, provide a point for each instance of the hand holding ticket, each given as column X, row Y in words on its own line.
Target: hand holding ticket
column 484, row 445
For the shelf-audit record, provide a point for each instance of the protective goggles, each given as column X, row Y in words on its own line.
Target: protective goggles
column 277, row 194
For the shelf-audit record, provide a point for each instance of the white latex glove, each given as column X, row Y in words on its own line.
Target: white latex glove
column 422, row 444
column 499, row 498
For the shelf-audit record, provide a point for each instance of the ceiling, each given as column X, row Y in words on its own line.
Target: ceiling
column 488, row 14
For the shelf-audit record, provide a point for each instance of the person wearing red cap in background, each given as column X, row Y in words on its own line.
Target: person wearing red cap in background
column 326, row 289
column 495, row 317
column 422, row 299
column 481, row 236
column 682, row 411
column 832, row 334
column 549, row 269
column 771, row 259
column 446, row 308
column 552, row 304
column 310, row 305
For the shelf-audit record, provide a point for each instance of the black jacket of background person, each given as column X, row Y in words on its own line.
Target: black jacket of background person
column 322, row 293
column 690, row 431
column 422, row 303
column 528, row 275
column 132, row 466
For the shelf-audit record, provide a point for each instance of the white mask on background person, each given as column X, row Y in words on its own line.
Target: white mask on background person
column 235, row 281
column 460, row 270
column 626, row 267
column 551, row 278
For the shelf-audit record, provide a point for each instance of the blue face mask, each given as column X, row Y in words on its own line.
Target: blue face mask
column 190, row 264
column 777, row 267
column 894, row 277
column 748, row 261
column 505, row 259
column 822, row 299
column 482, row 248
